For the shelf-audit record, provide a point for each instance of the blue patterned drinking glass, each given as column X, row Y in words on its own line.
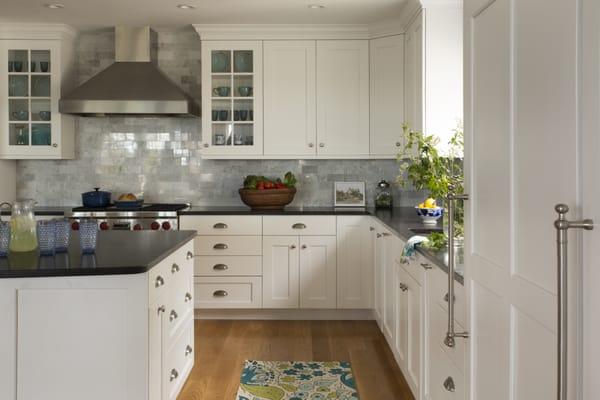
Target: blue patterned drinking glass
column 88, row 235
column 4, row 238
column 62, row 235
column 46, row 233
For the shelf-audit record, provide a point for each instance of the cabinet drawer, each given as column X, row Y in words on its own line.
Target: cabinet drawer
column 301, row 225
column 169, row 271
column 417, row 267
column 228, row 292
column 228, row 266
column 438, row 325
column 178, row 361
column 445, row 381
column 439, row 290
column 179, row 307
column 218, row 225
column 228, row 245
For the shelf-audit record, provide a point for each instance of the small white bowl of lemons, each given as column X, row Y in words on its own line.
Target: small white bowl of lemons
column 429, row 211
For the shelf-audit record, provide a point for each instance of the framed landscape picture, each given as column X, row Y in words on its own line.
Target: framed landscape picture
column 349, row 194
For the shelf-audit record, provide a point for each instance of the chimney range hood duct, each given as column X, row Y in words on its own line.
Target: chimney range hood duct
column 133, row 85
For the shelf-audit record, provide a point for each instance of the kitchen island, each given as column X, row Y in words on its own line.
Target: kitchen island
column 117, row 324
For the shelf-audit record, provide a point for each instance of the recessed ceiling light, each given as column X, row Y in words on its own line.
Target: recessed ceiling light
column 185, row 6
column 316, row 6
column 54, row 6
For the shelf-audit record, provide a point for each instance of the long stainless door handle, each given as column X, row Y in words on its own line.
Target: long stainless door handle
column 451, row 334
column 220, row 225
column 562, row 226
column 220, row 246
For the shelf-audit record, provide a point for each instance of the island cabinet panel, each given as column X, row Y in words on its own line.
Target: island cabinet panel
column 355, row 262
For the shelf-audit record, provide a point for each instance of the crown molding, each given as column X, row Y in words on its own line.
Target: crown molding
column 442, row 3
column 388, row 27
column 281, row 31
column 11, row 30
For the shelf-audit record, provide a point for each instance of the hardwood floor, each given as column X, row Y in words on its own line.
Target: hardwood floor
column 222, row 347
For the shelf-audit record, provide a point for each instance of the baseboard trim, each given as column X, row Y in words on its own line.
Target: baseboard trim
column 241, row 314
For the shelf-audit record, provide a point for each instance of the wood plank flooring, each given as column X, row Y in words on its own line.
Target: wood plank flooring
column 222, row 347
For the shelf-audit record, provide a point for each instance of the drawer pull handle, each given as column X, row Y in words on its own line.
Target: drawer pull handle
column 220, row 246
column 189, row 255
column 371, row 228
column 161, row 310
column 385, row 234
column 449, row 384
column 403, row 287
column 378, row 235
column 446, row 298
column 188, row 350
column 220, row 267
column 175, row 268
column 426, row 266
column 292, row 246
column 188, row 297
column 174, row 375
column 173, row 315
column 299, row 226
column 304, row 246
column 220, row 225
column 220, row 293
column 159, row 281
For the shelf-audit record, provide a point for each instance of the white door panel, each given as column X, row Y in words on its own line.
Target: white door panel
column 318, row 272
column 280, row 272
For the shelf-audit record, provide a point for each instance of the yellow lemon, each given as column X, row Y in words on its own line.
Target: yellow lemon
column 422, row 205
column 430, row 203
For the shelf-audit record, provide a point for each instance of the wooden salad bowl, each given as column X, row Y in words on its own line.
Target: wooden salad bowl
column 267, row 199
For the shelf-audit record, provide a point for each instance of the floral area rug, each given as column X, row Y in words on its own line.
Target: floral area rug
column 291, row 380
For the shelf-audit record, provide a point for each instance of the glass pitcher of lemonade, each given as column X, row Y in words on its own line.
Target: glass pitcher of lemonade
column 23, row 235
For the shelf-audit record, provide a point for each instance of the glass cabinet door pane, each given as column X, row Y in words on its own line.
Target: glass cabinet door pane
column 40, row 61
column 18, row 86
column 221, row 61
column 18, row 110
column 243, row 86
column 243, row 135
column 221, row 86
column 40, row 135
column 242, row 61
column 40, row 110
column 18, row 61
column 222, row 134
column 40, row 86
column 18, row 135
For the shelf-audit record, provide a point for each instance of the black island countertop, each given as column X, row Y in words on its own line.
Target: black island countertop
column 117, row 252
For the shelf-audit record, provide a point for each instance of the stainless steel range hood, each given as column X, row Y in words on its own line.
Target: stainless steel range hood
column 133, row 85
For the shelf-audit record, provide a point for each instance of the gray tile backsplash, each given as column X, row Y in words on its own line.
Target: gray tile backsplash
column 159, row 157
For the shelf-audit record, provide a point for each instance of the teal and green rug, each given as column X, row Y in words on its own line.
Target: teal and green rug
column 292, row 380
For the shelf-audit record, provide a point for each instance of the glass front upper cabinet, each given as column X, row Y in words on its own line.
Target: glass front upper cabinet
column 232, row 82
column 29, row 105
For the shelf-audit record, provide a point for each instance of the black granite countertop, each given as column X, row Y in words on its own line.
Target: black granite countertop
column 117, row 252
column 208, row 210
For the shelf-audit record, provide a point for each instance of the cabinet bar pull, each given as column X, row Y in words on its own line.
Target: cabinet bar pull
column 220, row 267
column 173, row 315
column 220, row 246
column 188, row 350
column 299, row 226
column 220, row 225
column 159, row 281
column 189, row 255
column 451, row 334
column 449, row 384
column 426, row 266
column 562, row 226
column 220, row 293
column 175, row 268
column 385, row 234
column 188, row 297
column 174, row 375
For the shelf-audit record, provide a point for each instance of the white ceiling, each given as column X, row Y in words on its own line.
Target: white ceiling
column 87, row 14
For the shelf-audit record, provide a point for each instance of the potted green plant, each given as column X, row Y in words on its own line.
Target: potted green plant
column 424, row 167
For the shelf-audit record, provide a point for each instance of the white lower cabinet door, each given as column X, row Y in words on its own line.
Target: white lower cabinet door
column 446, row 382
column 392, row 250
column 401, row 342
column 318, row 272
column 379, row 264
column 413, row 297
column 281, row 272
column 156, row 314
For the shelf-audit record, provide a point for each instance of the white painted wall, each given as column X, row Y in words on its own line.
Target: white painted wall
column 8, row 180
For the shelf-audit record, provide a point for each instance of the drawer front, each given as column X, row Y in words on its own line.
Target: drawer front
column 445, row 381
column 301, row 225
column 417, row 267
column 228, row 245
column 439, row 290
column 438, row 325
column 228, row 292
column 168, row 272
column 228, row 266
column 179, row 307
column 178, row 361
column 219, row 225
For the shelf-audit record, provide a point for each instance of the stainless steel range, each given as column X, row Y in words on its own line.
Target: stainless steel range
column 147, row 217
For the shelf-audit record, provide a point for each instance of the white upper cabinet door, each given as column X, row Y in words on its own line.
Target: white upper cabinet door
column 343, row 98
column 387, row 95
column 355, row 262
column 281, row 281
column 290, row 127
column 318, row 272
column 413, row 74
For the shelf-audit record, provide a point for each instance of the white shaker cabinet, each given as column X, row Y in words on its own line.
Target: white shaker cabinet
column 413, row 74
column 318, row 272
column 387, row 95
column 281, row 272
column 343, row 97
column 393, row 249
column 290, row 102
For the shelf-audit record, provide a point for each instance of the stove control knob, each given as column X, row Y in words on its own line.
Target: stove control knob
column 104, row 226
column 75, row 226
column 154, row 226
column 137, row 227
column 166, row 225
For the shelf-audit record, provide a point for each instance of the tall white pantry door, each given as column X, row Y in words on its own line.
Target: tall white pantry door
column 523, row 156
